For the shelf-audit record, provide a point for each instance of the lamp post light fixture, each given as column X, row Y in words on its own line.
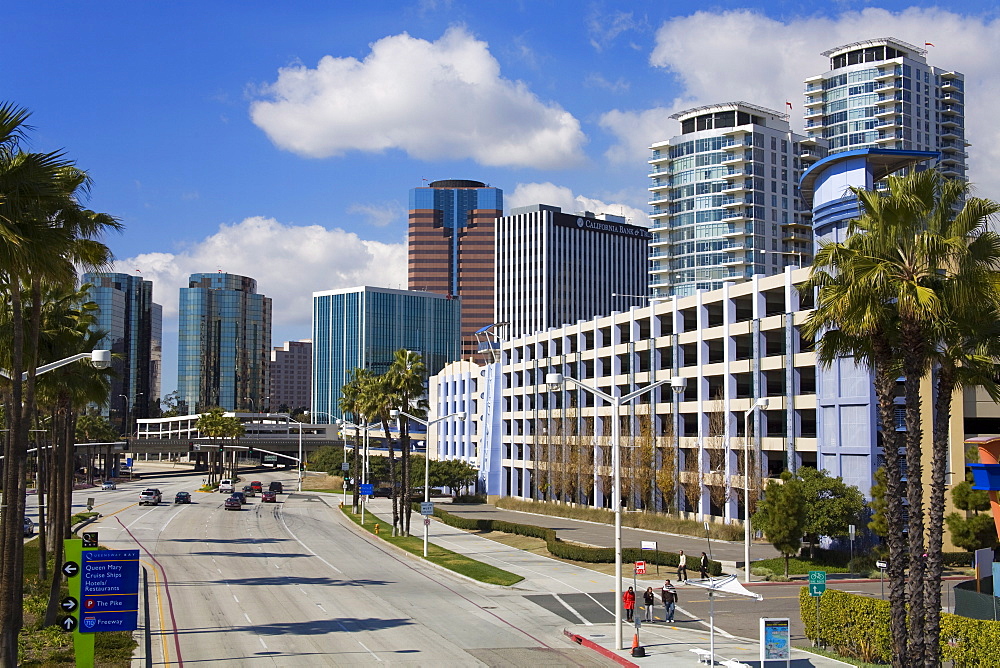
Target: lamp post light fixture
column 556, row 381
column 395, row 415
column 364, row 458
column 760, row 403
column 99, row 359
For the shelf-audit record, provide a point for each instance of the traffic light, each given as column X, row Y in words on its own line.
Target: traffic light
column 221, row 449
column 249, row 449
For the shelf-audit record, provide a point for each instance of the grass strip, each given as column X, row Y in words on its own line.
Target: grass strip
column 839, row 657
column 453, row 561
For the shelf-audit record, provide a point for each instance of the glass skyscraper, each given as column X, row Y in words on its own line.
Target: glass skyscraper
column 451, row 248
column 881, row 93
column 224, row 344
column 361, row 328
column 134, row 335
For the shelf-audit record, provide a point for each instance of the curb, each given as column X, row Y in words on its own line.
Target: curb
column 590, row 644
column 365, row 533
column 802, row 583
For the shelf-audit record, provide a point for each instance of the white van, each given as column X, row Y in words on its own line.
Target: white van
column 226, row 486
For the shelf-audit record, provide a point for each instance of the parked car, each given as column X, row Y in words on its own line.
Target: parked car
column 150, row 496
column 226, row 486
column 241, row 496
column 232, row 503
column 269, row 497
column 257, row 485
column 29, row 527
column 182, row 497
column 108, row 484
column 275, row 487
column 249, row 491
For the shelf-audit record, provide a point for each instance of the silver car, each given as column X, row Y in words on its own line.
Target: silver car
column 108, row 484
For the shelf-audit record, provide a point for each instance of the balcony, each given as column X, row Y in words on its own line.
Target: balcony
column 950, row 122
column 735, row 158
column 813, row 113
column 814, row 102
column 953, row 97
column 884, row 74
column 735, row 186
column 793, row 235
column 659, row 198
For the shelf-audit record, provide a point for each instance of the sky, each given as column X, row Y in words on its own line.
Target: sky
column 280, row 140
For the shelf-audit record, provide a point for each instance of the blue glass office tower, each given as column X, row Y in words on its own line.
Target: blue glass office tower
column 361, row 328
column 134, row 334
column 224, row 344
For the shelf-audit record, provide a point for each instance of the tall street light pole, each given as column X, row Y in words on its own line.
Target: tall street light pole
column 556, row 381
column 395, row 415
column 760, row 403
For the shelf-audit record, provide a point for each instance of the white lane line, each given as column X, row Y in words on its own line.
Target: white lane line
column 321, row 608
column 248, row 618
column 129, row 525
column 262, row 642
column 370, row 652
column 281, row 516
column 220, row 570
column 236, row 599
column 171, row 519
column 572, row 609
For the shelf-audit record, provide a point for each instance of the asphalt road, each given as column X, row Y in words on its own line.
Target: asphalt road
column 290, row 584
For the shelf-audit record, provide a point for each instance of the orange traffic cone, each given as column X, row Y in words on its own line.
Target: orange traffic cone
column 637, row 649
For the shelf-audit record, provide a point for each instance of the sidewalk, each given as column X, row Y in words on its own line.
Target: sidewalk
column 584, row 598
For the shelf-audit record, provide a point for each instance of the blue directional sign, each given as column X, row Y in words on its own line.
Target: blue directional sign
column 109, row 591
column 367, row 489
column 128, row 462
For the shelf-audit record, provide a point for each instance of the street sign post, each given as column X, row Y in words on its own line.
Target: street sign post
column 426, row 508
column 90, row 539
column 817, row 585
column 651, row 545
column 90, row 503
column 269, row 459
column 427, row 521
column 346, row 466
column 366, row 489
column 640, row 568
column 128, row 462
column 109, row 591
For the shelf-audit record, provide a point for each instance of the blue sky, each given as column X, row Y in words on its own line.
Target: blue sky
column 280, row 140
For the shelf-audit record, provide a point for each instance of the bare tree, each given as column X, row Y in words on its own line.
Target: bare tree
column 666, row 472
column 715, row 447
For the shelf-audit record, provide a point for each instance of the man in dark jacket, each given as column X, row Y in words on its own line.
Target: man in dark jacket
column 669, row 597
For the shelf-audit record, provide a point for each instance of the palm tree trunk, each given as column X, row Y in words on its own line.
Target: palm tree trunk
column 913, row 370
column 355, row 472
column 885, row 390
column 404, row 447
column 392, row 477
column 935, row 520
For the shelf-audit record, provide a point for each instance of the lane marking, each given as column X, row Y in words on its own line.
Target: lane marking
column 572, row 609
column 102, row 517
column 248, row 618
column 159, row 605
column 234, row 597
column 370, row 652
column 262, row 642
column 281, row 516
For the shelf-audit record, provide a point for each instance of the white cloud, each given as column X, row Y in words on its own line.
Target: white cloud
column 434, row 100
column 379, row 215
column 744, row 55
column 288, row 262
column 604, row 29
column 526, row 194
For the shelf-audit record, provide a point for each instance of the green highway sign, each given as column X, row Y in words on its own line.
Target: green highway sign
column 270, row 458
column 817, row 577
column 817, row 588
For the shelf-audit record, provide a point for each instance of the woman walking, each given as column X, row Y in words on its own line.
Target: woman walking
column 703, row 566
column 649, row 598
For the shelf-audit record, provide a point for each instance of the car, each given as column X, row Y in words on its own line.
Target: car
column 257, row 485
column 226, row 486
column 241, row 496
column 248, row 490
column 150, row 496
column 275, row 487
column 182, row 497
column 29, row 527
column 233, row 503
column 108, row 484
column 269, row 497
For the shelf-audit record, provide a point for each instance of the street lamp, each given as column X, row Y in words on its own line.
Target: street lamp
column 555, row 381
column 364, row 459
column 760, row 403
column 337, row 422
column 395, row 415
column 99, row 359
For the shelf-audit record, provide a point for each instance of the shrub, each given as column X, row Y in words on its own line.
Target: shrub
column 470, row 498
column 761, row 572
column 562, row 549
column 858, row 626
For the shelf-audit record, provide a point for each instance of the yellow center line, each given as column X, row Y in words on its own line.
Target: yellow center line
column 116, row 512
column 159, row 605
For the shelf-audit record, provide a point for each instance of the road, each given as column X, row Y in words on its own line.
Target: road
column 277, row 583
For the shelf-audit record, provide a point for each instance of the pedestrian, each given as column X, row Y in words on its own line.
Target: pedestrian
column 682, row 566
column 669, row 597
column 703, row 566
column 628, row 598
column 650, row 599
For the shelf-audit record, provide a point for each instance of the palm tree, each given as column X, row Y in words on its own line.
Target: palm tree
column 376, row 400
column 407, row 375
column 350, row 404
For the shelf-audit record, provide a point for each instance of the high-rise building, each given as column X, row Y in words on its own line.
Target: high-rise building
column 451, row 248
column 555, row 268
column 881, row 93
column 224, row 345
column 291, row 376
column 134, row 336
column 724, row 198
column 361, row 328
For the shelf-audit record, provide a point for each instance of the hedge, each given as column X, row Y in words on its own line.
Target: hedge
column 858, row 626
column 559, row 548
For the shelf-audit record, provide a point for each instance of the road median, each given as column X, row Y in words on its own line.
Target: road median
column 437, row 555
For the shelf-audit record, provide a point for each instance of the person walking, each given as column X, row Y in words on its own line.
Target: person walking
column 703, row 566
column 628, row 598
column 682, row 566
column 649, row 598
column 669, row 597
